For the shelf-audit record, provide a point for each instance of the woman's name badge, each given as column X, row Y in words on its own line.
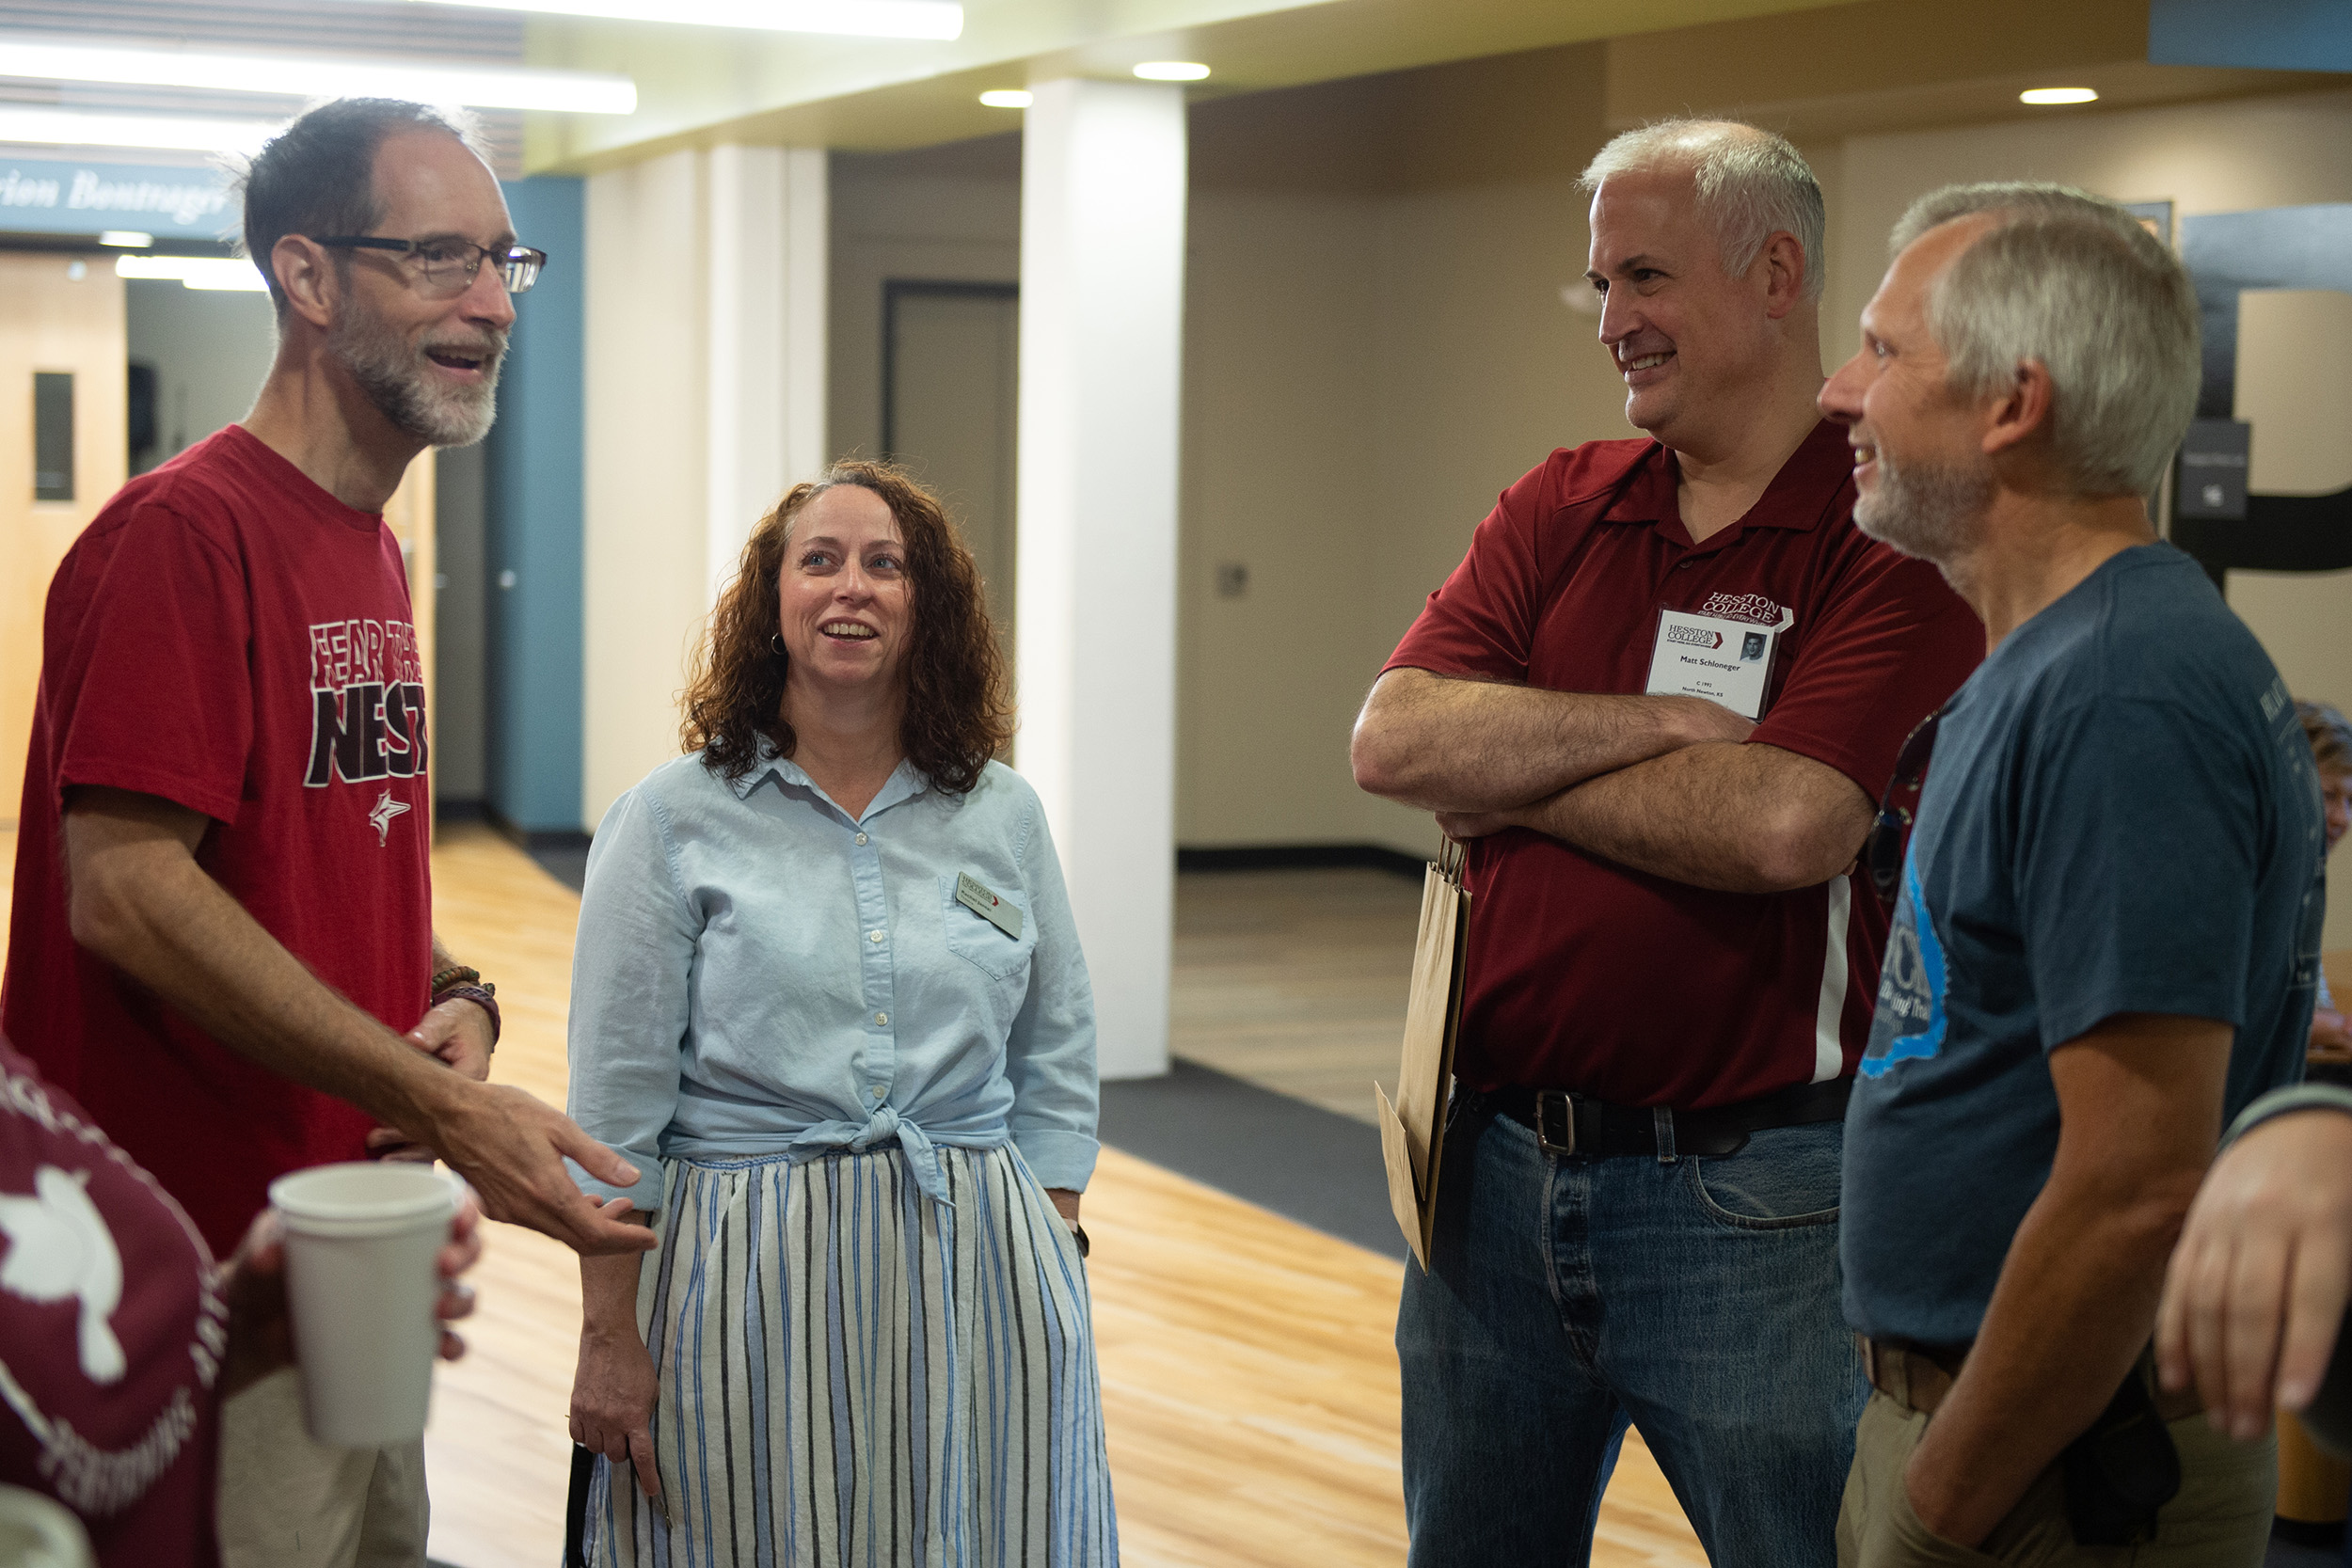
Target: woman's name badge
column 972, row 895
column 1724, row 661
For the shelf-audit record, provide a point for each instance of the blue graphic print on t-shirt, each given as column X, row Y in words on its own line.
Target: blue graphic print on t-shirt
column 2120, row 816
column 1910, row 1020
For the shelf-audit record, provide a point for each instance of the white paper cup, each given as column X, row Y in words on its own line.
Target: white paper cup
column 360, row 1241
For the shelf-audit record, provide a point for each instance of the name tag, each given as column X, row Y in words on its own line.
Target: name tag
column 1721, row 660
column 976, row 897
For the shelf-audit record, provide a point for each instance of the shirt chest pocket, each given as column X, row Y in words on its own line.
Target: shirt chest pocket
column 981, row 941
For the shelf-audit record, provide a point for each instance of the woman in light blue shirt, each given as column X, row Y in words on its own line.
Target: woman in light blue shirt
column 827, row 995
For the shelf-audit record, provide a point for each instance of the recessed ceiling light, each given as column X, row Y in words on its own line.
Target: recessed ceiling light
column 1171, row 70
column 176, row 133
column 873, row 19
column 2058, row 95
column 1008, row 97
column 194, row 272
column 296, row 77
column 127, row 239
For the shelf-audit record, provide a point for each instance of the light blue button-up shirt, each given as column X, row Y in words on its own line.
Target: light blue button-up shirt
column 760, row 973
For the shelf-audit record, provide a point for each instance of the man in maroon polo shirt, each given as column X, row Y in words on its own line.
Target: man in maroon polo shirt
column 1658, row 699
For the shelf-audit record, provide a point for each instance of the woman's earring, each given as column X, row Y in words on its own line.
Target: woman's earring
column 775, row 641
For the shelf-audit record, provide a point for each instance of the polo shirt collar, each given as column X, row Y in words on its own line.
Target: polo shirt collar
column 1806, row 491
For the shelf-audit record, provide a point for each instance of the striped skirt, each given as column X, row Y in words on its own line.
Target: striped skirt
column 853, row 1373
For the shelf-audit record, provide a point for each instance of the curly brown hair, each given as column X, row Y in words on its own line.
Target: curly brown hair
column 958, row 704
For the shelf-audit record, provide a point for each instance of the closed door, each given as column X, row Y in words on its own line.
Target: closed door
column 64, row 450
column 952, row 357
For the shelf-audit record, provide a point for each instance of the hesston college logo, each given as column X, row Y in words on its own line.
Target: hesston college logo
column 366, row 708
column 1754, row 609
column 1697, row 637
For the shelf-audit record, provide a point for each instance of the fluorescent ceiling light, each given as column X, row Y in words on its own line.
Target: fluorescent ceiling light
column 878, row 19
column 295, row 76
column 181, row 134
column 127, row 239
column 1171, row 70
column 194, row 272
column 1008, row 97
column 2058, row 95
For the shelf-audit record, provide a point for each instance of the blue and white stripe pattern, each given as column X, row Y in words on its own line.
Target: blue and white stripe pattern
column 853, row 1373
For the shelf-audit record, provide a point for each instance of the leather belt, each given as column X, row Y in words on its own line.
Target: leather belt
column 1566, row 1123
column 1921, row 1379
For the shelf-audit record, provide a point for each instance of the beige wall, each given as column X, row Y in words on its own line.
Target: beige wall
column 2295, row 350
column 1376, row 344
column 706, row 369
column 1282, row 474
column 1377, row 347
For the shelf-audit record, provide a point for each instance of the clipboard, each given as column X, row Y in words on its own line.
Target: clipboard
column 1412, row 1130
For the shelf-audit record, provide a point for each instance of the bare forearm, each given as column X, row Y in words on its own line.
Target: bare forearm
column 1737, row 819
column 171, row 927
column 2139, row 1107
column 608, row 1287
column 2076, row 1303
column 1444, row 744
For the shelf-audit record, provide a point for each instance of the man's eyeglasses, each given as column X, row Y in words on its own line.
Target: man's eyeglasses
column 447, row 268
column 1890, row 835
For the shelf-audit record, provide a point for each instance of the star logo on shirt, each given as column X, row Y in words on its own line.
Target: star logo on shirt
column 381, row 817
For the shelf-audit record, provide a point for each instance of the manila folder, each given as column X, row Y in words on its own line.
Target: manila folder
column 1412, row 1130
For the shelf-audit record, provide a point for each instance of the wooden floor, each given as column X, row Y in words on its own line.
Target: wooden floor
column 1249, row 1382
column 1294, row 980
column 1249, row 1385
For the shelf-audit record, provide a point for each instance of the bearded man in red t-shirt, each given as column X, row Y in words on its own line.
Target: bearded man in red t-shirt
column 223, row 896
column 1658, row 699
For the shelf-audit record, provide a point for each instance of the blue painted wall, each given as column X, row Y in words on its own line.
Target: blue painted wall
column 532, row 652
column 2263, row 35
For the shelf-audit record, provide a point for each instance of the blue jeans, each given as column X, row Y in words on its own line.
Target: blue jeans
column 1696, row 1298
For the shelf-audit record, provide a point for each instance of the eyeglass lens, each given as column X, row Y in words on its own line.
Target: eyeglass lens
column 444, row 273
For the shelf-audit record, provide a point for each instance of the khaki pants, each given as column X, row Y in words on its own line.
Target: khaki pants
column 2220, row 1519
column 287, row 1502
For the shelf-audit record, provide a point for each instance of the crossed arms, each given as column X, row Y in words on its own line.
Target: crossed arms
column 1662, row 784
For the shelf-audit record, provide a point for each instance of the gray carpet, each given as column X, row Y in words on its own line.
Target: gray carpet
column 564, row 860
column 1305, row 1163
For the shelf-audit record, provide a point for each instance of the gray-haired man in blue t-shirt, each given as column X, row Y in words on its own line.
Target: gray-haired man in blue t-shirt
column 2107, row 923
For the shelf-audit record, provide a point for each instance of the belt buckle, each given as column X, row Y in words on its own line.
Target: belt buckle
column 1547, row 1101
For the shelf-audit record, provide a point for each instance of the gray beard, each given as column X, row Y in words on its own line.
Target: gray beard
column 394, row 376
column 1935, row 513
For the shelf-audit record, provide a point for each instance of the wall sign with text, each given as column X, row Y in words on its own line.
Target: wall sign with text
column 42, row 196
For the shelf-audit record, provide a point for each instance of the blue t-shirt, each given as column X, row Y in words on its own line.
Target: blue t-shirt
column 2121, row 816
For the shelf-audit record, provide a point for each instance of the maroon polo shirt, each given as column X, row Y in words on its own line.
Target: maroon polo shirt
column 1632, row 989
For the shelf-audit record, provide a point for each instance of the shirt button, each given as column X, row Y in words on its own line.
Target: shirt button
column 878, row 1091
column 882, row 1020
column 873, row 936
column 861, row 838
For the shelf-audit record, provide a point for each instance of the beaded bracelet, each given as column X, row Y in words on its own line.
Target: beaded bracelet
column 484, row 996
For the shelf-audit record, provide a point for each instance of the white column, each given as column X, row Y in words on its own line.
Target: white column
column 765, row 288
column 807, row 270
column 706, row 401
column 1102, row 338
